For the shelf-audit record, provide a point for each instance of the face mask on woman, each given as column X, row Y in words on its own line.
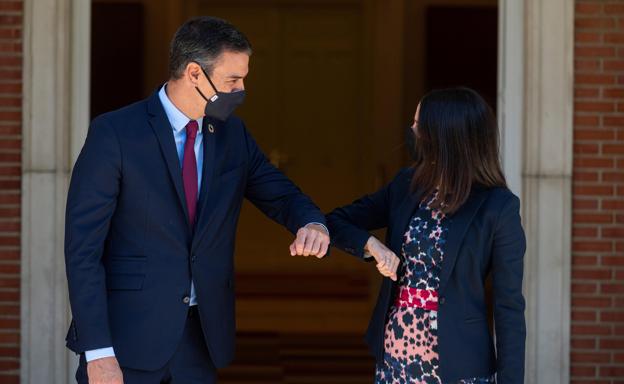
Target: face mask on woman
column 410, row 141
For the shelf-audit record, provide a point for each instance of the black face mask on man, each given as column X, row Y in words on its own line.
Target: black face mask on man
column 222, row 104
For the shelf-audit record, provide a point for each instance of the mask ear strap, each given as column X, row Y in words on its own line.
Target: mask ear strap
column 211, row 84
column 202, row 95
column 208, row 77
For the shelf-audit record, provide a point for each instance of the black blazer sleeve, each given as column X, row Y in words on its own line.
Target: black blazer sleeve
column 350, row 225
column 91, row 202
column 508, row 250
column 275, row 195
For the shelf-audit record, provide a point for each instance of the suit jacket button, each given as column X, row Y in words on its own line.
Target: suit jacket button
column 441, row 300
column 186, row 300
column 193, row 258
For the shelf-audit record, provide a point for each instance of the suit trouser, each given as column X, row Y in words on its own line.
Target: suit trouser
column 190, row 364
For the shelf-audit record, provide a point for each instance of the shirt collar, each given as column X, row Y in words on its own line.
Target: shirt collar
column 177, row 118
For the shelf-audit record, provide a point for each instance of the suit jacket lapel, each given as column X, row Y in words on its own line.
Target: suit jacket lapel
column 458, row 226
column 209, row 139
column 162, row 128
column 405, row 212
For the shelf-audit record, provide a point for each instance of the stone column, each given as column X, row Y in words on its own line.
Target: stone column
column 546, row 180
column 56, row 89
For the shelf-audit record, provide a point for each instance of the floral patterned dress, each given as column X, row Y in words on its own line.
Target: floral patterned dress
column 411, row 340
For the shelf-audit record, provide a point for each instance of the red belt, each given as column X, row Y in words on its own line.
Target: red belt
column 417, row 298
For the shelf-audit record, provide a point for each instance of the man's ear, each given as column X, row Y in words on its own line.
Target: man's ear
column 193, row 72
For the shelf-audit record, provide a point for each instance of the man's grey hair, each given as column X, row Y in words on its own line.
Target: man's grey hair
column 202, row 40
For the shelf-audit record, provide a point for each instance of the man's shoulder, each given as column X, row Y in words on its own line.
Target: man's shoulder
column 137, row 110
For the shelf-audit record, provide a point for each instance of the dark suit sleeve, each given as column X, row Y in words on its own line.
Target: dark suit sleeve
column 91, row 202
column 275, row 195
column 507, row 270
column 350, row 225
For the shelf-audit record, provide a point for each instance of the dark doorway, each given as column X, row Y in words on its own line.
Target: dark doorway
column 116, row 55
column 300, row 321
column 462, row 48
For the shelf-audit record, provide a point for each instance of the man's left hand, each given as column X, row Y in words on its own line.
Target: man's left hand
column 312, row 240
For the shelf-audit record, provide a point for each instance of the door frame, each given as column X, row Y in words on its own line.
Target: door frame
column 536, row 100
column 535, row 104
column 56, row 70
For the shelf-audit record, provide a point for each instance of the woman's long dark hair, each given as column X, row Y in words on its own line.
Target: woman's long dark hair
column 456, row 148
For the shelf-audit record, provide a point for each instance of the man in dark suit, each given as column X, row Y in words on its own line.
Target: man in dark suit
column 152, row 211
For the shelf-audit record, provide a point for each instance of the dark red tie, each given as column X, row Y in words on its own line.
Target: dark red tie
column 189, row 170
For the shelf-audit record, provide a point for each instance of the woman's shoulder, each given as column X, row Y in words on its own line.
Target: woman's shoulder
column 401, row 182
column 500, row 197
column 403, row 177
column 500, row 192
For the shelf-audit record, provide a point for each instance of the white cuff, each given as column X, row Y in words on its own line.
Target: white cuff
column 321, row 224
column 99, row 354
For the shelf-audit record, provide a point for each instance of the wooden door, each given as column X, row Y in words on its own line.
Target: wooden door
column 303, row 107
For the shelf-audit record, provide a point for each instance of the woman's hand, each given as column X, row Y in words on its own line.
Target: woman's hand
column 387, row 261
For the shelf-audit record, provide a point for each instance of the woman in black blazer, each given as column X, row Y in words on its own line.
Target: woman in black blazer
column 451, row 221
